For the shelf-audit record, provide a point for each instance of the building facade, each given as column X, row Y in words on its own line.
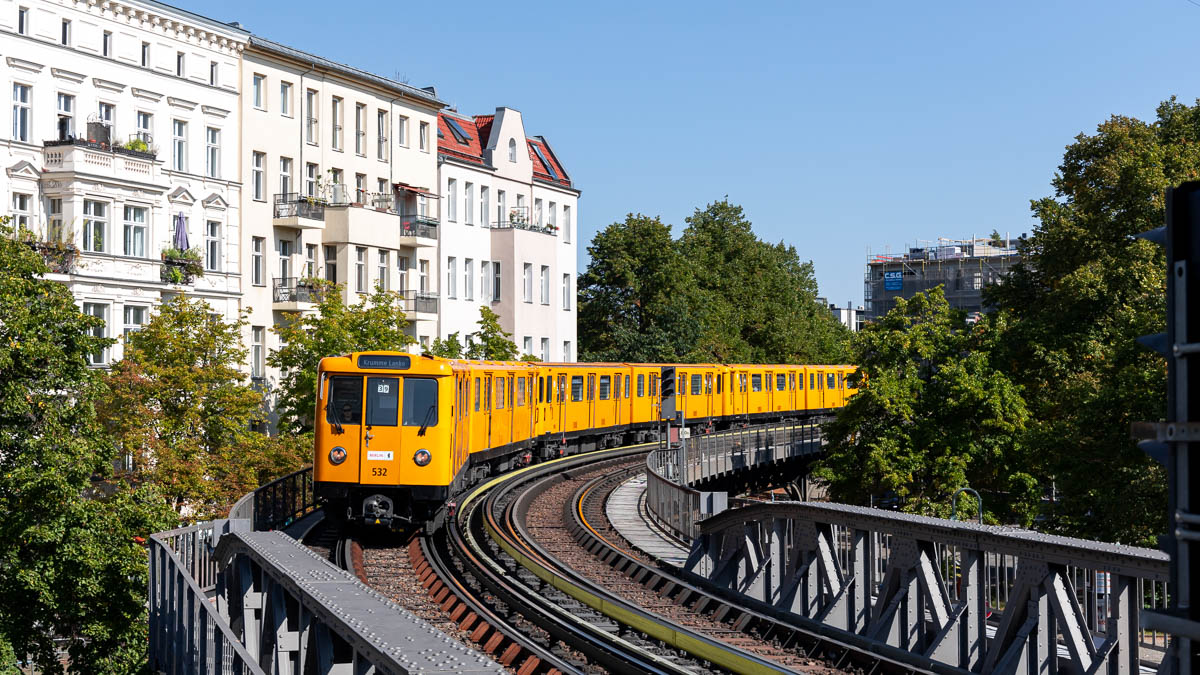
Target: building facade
column 509, row 213
column 154, row 152
column 124, row 129
column 962, row 267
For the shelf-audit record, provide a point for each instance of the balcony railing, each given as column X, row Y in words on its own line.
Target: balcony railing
column 518, row 219
column 131, row 149
column 417, row 225
column 295, row 205
column 418, row 302
column 292, row 289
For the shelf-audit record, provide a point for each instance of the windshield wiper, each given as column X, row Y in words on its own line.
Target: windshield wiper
column 425, row 422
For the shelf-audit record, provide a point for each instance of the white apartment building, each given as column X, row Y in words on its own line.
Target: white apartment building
column 509, row 213
column 123, row 122
column 340, row 176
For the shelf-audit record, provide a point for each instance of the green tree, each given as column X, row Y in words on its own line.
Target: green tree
column 69, row 564
column 491, row 342
column 636, row 298
column 1084, row 291
column 935, row 416
column 449, row 348
column 376, row 322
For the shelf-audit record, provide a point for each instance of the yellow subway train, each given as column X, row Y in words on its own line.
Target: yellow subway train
column 397, row 435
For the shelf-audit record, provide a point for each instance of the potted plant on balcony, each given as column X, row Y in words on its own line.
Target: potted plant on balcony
column 58, row 249
column 181, row 266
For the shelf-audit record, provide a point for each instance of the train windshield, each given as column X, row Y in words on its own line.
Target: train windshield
column 420, row 402
column 345, row 400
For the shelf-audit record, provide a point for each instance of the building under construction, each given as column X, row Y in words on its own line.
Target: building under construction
column 962, row 266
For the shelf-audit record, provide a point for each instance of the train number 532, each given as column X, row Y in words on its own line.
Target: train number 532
column 378, row 471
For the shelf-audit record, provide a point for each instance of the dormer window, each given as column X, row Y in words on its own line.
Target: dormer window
column 512, row 150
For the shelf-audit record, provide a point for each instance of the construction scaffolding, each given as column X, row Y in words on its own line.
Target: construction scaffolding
column 963, row 267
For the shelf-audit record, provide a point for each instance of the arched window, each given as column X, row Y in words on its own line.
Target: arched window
column 512, row 149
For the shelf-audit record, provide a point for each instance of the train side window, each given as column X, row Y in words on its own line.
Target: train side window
column 780, row 382
column 521, row 392
column 708, row 384
column 641, row 382
column 605, row 387
column 477, row 394
column 383, row 401
column 576, row 388
column 591, row 387
column 812, row 380
column 681, row 384
column 512, row 390
column 628, row 392
column 617, row 387
column 499, row 382
column 831, row 381
column 345, row 401
column 420, row 402
column 541, row 387
column 742, row 380
column 720, row 378
column 792, row 382
column 756, row 382
column 697, row 384
column 841, row 380
column 487, row 394
column 654, row 384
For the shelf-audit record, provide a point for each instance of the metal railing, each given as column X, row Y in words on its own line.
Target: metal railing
column 518, row 219
column 420, row 302
column 677, row 506
column 185, row 626
column 292, row 289
column 418, row 225
column 278, row 503
column 295, row 205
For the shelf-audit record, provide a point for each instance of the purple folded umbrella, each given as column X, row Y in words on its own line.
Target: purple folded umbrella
column 181, row 235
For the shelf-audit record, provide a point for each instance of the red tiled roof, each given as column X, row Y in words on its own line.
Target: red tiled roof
column 539, row 169
column 449, row 145
column 484, row 124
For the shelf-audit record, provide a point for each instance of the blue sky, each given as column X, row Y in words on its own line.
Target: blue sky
column 839, row 127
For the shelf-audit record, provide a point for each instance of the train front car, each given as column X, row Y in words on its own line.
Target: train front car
column 383, row 436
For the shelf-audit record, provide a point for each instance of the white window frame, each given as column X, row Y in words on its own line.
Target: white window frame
column 145, row 54
column 22, row 112
column 484, row 205
column 360, row 131
column 566, row 224
column 528, row 345
column 259, row 83
column 451, row 277
column 402, row 131
column 312, row 175
column 331, row 263
column 106, row 44
column 285, row 175
column 545, row 349
column 23, row 16
column 257, row 333
column 512, row 150
column 468, row 203
column 384, row 262
column 468, row 279
column 497, row 279
column 257, row 175
column 133, row 227
column 285, row 99
column 212, row 155
column 360, row 269
column 527, row 282
column 22, row 206
column 312, row 132
column 99, row 310
column 95, row 226
column 66, row 110
column 257, row 262
column 65, row 37
column 212, row 245
column 424, row 137
column 179, row 144
column 54, row 227
column 423, row 276
column 381, row 134
column 485, row 280
column 130, row 325
column 451, row 200
column 180, row 64
column 310, row 260
column 214, row 74
column 335, row 122
column 566, row 292
column 544, row 283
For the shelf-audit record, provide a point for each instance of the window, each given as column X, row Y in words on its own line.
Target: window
column 420, row 402
column 552, row 216
column 468, row 203
column 381, row 118
column 66, row 32
column 381, row 186
column 259, row 81
column 521, row 391
column 451, row 277
column 708, row 384
column 360, row 188
column 310, row 116
column 213, row 72
column 792, row 382
column 106, row 44
column 566, row 226
column 285, row 175
column 213, row 154
column 54, row 230
column 135, row 318
column 545, row 349
column 66, row 116
column 100, row 356
column 145, row 126
column 605, row 387
column 812, row 380
column 382, row 270
column 527, row 281
column 180, row 65
column 483, row 206
column 485, row 280
column 21, row 204
column 23, row 20
column 468, row 278
column 781, row 382
column 617, row 387
column 257, row 333
column 145, row 54
column 179, row 144
column 545, row 284
column 212, row 246
column 566, row 291
column 383, row 401
column 256, row 175
column 310, row 179
column 423, row 276
column 451, row 200
column 537, row 212
column 256, row 261
column 577, row 388
column 402, row 131
column 310, row 260
column 345, row 400
column 360, row 269
column 512, row 149
column 285, row 99
column 95, row 221
column 830, row 381
column 360, row 131
column 285, row 259
column 591, row 387
column 425, row 136
column 566, row 350
column 331, row 264
column 501, row 208
column 641, row 384
column 697, row 384
column 756, row 383
column 720, row 379
column 135, row 231
column 335, row 123
column 21, row 114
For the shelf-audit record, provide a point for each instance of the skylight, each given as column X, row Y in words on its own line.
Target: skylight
column 459, row 134
column 549, row 167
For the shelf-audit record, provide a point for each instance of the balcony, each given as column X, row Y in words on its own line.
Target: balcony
column 418, row 230
column 136, row 160
column 291, row 294
column 518, row 219
column 294, row 210
column 420, row 305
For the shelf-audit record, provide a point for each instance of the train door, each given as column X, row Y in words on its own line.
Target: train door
column 487, row 408
column 381, row 437
column 560, row 396
column 591, row 401
column 343, row 412
column 618, row 400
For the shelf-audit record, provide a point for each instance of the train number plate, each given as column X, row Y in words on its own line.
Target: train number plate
column 379, row 455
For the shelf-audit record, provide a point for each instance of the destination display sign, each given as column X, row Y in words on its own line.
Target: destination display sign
column 384, row 361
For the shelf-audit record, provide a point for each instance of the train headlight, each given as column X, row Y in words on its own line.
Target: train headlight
column 422, row 457
column 337, row 455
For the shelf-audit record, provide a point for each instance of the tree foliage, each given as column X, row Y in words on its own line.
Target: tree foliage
column 935, row 416
column 69, row 564
column 491, row 342
column 376, row 322
column 718, row 293
column 449, row 348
